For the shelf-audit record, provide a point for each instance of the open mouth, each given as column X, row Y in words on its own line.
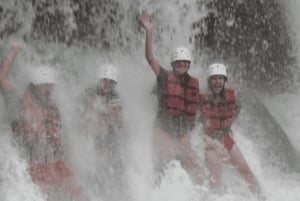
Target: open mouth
column 217, row 88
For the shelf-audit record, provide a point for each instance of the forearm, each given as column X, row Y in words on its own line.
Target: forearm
column 10, row 58
column 6, row 87
column 149, row 52
column 148, row 46
column 5, row 69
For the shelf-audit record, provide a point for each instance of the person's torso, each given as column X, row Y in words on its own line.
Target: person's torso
column 218, row 112
column 179, row 96
column 99, row 114
column 39, row 129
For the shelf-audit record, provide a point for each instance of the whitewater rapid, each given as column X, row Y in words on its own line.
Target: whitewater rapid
column 77, row 67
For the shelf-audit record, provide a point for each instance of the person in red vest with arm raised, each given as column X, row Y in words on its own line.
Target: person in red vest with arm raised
column 220, row 106
column 37, row 127
column 178, row 101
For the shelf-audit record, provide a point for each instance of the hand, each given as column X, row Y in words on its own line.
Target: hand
column 146, row 21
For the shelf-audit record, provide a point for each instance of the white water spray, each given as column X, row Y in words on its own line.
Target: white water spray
column 172, row 26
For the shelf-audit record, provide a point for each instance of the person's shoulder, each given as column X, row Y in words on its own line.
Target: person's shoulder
column 233, row 94
column 232, row 91
column 162, row 74
column 163, row 71
column 194, row 79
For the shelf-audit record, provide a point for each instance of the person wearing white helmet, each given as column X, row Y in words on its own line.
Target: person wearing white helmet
column 103, row 122
column 37, row 128
column 220, row 106
column 108, row 78
column 104, row 99
column 42, row 80
column 178, row 97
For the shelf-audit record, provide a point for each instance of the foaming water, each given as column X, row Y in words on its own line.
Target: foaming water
column 77, row 67
column 15, row 182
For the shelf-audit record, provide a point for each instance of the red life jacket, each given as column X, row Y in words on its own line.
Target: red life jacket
column 218, row 118
column 178, row 99
column 43, row 121
column 58, row 175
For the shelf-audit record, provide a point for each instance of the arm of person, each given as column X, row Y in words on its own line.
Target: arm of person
column 5, row 69
column 11, row 98
column 146, row 21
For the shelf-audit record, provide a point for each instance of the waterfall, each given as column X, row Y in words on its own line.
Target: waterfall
column 77, row 36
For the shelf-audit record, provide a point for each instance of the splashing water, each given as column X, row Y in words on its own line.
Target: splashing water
column 16, row 183
column 77, row 64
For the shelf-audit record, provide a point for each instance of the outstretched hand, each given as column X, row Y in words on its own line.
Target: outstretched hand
column 146, row 20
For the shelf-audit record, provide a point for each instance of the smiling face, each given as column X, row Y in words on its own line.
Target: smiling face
column 216, row 83
column 181, row 67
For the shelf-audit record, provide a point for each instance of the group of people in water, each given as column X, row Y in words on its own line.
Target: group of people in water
column 37, row 124
column 180, row 100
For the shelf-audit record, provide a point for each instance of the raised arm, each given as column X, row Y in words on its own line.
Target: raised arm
column 146, row 22
column 5, row 69
column 11, row 99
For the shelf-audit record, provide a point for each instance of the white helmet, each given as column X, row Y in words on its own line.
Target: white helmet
column 43, row 74
column 181, row 53
column 217, row 69
column 109, row 72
